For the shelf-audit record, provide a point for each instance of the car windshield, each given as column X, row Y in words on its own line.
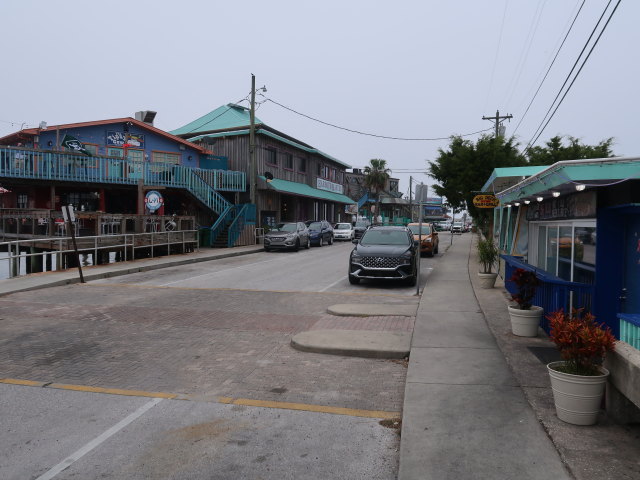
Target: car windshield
column 385, row 237
column 362, row 224
column 415, row 229
column 285, row 227
column 315, row 226
column 343, row 226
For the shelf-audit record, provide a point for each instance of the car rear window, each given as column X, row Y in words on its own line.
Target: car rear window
column 315, row 226
column 286, row 227
column 426, row 229
column 343, row 226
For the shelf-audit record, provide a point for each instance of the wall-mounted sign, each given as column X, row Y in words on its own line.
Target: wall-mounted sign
column 323, row 184
column 118, row 139
column 485, row 201
column 578, row 205
column 153, row 200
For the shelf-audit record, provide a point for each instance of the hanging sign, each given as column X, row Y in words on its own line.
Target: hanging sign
column 486, row 200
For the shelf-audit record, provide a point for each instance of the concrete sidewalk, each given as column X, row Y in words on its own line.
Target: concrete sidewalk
column 465, row 415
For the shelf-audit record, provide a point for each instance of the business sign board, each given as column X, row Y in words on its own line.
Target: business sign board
column 153, row 200
column 485, row 201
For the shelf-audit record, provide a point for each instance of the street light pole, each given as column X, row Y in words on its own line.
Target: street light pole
column 252, row 144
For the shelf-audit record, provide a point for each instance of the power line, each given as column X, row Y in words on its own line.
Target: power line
column 495, row 60
column 217, row 116
column 530, row 143
column 549, row 69
column 371, row 134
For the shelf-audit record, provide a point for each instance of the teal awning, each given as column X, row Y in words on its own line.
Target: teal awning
column 503, row 178
column 303, row 190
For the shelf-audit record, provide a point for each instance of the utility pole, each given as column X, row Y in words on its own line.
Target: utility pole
column 410, row 204
column 498, row 120
column 252, row 144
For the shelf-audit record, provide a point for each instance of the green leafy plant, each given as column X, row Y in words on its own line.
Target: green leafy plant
column 527, row 284
column 487, row 253
column 582, row 342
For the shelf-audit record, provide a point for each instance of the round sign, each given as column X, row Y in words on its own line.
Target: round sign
column 153, row 200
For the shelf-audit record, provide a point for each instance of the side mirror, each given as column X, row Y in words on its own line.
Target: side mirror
column 354, row 240
column 416, row 243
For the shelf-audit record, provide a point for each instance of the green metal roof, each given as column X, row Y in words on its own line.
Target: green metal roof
column 268, row 133
column 294, row 188
column 225, row 117
column 564, row 176
column 505, row 177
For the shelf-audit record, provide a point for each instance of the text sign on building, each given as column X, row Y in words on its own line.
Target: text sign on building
column 485, row 201
column 153, row 200
column 323, row 184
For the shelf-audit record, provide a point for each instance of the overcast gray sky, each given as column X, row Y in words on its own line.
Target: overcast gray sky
column 413, row 69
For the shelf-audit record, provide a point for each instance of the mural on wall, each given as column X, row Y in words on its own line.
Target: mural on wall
column 118, row 139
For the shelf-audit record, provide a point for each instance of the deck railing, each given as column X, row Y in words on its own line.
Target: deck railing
column 50, row 165
column 554, row 293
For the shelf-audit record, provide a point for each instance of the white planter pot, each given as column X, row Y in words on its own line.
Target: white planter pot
column 577, row 398
column 487, row 280
column 524, row 323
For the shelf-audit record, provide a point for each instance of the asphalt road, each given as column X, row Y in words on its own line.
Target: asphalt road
column 229, row 397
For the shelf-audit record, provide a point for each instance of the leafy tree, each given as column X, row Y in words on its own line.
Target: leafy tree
column 555, row 151
column 376, row 175
column 463, row 168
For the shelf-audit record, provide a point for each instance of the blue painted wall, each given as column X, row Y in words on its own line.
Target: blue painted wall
column 98, row 135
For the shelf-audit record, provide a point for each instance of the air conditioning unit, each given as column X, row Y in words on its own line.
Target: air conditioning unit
column 146, row 116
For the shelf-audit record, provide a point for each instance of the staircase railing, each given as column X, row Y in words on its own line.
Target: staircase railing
column 246, row 215
column 363, row 200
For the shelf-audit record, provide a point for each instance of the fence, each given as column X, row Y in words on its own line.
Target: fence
column 46, row 254
column 554, row 293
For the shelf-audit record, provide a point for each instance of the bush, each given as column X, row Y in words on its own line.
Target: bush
column 527, row 284
column 487, row 254
column 582, row 342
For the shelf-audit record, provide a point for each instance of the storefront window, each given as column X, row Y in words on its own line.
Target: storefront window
column 565, row 247
column 584, row 261
column 551, row 252
column 542, row 247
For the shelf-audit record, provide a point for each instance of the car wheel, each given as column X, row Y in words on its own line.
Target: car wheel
column 435, row 250
column 430, row 254
column 297, row 246
column 330, row 242
column 320, row 242
column 266, row 249
column 308, row 245
column 354, row 280
column 411, row 281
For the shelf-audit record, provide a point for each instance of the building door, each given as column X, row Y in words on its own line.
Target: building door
column 631, row 287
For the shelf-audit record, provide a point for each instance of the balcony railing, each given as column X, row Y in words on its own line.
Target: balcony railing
column 50, row 165
column 554, row 293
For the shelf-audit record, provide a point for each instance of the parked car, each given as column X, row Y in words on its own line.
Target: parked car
column 343, row 231
column 360, row 227
column 384, row 253
column 427, row 237
column 457, row 227
column 320, row 232
column 443, row 226
column 288, row 236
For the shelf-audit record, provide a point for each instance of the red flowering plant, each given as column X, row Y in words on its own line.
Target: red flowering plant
column 582, row 342
column 527, row 283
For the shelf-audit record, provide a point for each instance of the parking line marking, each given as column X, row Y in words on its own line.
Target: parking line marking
column 85, row 388
column 28, row 383
column 78, row 454
column 352, row 412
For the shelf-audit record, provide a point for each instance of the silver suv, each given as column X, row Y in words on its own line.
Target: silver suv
column 288, row 236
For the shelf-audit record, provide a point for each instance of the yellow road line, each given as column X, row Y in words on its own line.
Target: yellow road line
column 15, row 381
column 352, row 412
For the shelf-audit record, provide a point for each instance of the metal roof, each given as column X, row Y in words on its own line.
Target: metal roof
column 504, row 177
column 563, row 177
column 222, row 118
column 268, row 133
column 304, row 190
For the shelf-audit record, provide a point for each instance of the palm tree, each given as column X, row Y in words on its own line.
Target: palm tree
column 376, row 175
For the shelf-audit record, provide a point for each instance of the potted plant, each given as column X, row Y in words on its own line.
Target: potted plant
column 578, row 381
column 525, row 317
column 487, row 256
